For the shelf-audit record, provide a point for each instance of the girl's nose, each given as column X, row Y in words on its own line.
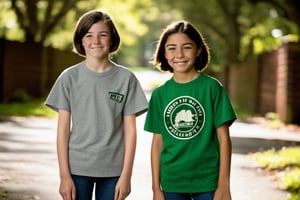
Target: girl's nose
column 179, row 53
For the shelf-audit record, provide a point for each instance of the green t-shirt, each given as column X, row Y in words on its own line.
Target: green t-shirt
column 187, row 115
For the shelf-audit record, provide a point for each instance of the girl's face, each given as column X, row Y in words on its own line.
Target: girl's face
column 96, row 41
column 181, row 53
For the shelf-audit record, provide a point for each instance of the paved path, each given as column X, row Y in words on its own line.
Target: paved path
column 28, row 166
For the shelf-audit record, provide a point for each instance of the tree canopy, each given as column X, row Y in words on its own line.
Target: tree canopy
column 234, row 29
column 238, row 29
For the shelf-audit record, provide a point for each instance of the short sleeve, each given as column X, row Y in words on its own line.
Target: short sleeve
column 224, row 112
column 59, row 96
column 153, row 118
column 136, row 101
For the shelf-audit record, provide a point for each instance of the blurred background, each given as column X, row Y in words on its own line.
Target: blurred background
column 254, row 46
column 255, row 53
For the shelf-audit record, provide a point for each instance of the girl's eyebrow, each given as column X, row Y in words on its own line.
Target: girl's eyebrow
column 170, row 45
column 188, row 43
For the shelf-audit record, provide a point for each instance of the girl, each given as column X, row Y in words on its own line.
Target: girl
column 101, row 100
column 190, row 116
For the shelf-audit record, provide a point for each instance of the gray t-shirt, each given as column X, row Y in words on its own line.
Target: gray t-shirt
column 98, row 103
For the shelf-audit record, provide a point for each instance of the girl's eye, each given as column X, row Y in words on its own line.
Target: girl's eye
column 188, row 47
column 171, row 48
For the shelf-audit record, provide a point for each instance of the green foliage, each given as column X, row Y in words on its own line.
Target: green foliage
column 39, row 20
column 9, row 26
column 26, row 109
column 234, row 29
column 128, row 23
column 294, row 196
column 291, row 180
column 62, row 35
column 20, row 95
column 139, row 23
column 242, row 113
column 281, row 159
column 287, row 162
column 237, row 30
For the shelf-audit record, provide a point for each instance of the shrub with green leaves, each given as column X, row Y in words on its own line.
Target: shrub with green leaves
column 291, row 180
column 287, row 162
column 281, row 159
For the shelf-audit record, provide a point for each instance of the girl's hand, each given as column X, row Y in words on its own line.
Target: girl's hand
column 158, row 195
column 222, row 194
column 67, row 189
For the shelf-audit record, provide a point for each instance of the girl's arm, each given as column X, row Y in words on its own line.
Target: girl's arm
column 223, row 190
column 156, row 148
column 123, row 187
column 67, row 187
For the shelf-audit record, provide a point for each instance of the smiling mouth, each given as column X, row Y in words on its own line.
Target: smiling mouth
column 180, row 62
column 97, row 47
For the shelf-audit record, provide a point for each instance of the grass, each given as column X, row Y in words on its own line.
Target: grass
column 36, row 108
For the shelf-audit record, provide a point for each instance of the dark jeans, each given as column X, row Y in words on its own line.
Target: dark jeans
column 104, row 187
column 187, row 196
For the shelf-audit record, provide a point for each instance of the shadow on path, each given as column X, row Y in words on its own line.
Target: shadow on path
column 29, row 171
column 252, row 145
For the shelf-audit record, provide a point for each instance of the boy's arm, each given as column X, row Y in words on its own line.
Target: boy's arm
column 67, row 187
column 123, row 187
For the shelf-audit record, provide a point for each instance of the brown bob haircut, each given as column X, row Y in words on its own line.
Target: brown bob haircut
column 187, row 28
column 84, row 24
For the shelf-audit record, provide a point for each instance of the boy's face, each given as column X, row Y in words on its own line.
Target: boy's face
column 181, row 53
column 97, row 41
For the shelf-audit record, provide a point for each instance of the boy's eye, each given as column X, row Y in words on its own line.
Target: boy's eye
column 103, row 34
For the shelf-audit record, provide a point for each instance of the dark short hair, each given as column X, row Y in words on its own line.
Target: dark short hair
column 84, row 24
column 187, row 28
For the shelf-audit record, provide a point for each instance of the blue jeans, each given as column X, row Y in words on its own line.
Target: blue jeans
column 104, row 187
column 189, row 196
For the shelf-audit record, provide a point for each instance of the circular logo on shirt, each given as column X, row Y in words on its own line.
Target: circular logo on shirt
column 184, row 117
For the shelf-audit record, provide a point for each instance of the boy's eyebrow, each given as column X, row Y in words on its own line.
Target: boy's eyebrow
column 104, row 31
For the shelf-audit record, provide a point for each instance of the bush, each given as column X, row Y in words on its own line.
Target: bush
column 291, row 180
column 281, row 159
column 20, row 95
column 287, row 162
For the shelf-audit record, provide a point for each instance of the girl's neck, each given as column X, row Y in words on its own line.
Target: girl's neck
column 184, row 77
column 98, row 66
